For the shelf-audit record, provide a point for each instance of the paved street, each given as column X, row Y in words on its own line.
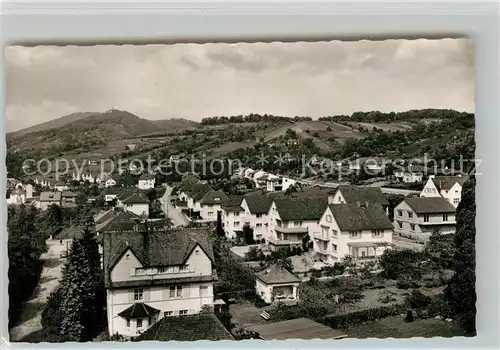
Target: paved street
column 49, row 280
column 177, row 216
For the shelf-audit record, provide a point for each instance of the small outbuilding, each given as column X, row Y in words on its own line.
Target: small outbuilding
column 276, row 284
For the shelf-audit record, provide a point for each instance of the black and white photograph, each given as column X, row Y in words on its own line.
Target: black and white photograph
column 236, row 191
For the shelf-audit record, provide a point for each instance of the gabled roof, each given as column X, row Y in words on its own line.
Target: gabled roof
column 210, row 197
column 136, row 198
column 154, row 247
column 50, row 196
column 202, row 326
column 275, row 275
column 257, row 202
column 350, row 217
column 301, row 208
column 233, row 203
column 138, row 310
column 199, row 191
column 118, row 221
column 430, row 205
column 354, row 194
column 447, row 182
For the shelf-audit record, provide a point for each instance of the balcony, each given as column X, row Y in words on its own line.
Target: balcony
column 321, row 236
column 283, row 242
column 291, row 229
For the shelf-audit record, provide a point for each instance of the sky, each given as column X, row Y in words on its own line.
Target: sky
column 194, row 81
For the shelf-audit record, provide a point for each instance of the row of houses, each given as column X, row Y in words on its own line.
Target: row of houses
column 263, row 179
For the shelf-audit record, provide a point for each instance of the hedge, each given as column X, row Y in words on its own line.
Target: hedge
column 358, row 317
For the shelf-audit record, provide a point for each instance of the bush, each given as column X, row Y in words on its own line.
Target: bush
column 438, row 306
column 409, row 316
column 259, row 302
column 418, row 300
column 358, row 317
column 315, row 273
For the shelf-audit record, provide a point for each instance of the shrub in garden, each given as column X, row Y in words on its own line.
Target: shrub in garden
column 358, row 317
column 409, row 316
column 418, row 300
column 315, row 273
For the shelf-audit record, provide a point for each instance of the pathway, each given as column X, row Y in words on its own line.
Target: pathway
column 177, row 216
column 49, row 280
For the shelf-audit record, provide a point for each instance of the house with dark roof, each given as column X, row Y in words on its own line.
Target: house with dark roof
column 348, row 194
column 362, row 231
column 152, row 272
column 232, row 216
column 255, row 207
column 411, row 173
column 146, row 181
column 202, row 326
column 448, row 187
column 49, row 198
column 290, row 219
column 134, row 200
column 211, row 205
column 418, row 217
column 276, row 284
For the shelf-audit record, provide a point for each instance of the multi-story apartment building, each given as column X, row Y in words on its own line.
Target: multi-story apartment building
column 210, row 205
column 155, row 273
column 418, row 217
column 232, row 216
column 362, row 231
column 448, row 187
column 290, row 219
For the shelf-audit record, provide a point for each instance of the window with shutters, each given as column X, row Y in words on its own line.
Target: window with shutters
column 139, row 323
column 138, row 294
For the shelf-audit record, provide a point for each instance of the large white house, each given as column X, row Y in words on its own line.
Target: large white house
column 255, row 208
column 410, row 174
column 362, row 231
column 211, row 205
column 134, row 201
column 448, row 187
column 291, row 219
column 232, row 216
column 146, row 182
column 279, row 183
column 151, row 274
column 418, row 217
column 355, row 195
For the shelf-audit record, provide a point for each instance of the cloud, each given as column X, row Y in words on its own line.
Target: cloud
column 196, row 81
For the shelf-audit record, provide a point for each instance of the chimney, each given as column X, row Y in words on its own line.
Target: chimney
column 367, row 203
column 358, row 204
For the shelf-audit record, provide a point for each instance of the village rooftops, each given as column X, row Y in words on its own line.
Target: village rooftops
column 430, row 205
column 117, row 221
column 302, row 209
column 277, row 275
column 50, row 196
column 199, row 191
column 202, row 326
column 233, row 203
column 354, row 194
column 351, row 217
column 133, row 196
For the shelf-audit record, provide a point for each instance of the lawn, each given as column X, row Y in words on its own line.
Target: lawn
column 396, row 327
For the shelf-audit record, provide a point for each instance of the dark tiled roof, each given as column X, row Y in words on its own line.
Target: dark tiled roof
column 112, row 190
column 298, row 328
column 257, row 202
column 354, row 194
column 158, row 247
column 138, row 310
column 136, row 198
column 447, row 182
column 117, row 221
column 350, row 217
column 232, row 203
column 275, row 275
column 430, row 205
column 202, row 326
column 162, row 281
column 210, row 198
column 199, row 191
column 301, row 208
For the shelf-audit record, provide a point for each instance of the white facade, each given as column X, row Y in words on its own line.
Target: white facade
column 171, row 299
column 257, row 221
column 453, row 195
column 209, row 212
column 334, row 244
column 17, row 197
column 409, row 176
column 279, row 183
column 276, row 292
column 146, row 184
column 110, row 197
column 60, row 187
column 408, row 223
column 286, row 233
column 110, row 183
column 233, row 221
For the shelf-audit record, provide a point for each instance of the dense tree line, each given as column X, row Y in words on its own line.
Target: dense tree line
column 411, row 115
column 74, row 312
column 251, row 118
column 26, row 244
column 461, row 291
